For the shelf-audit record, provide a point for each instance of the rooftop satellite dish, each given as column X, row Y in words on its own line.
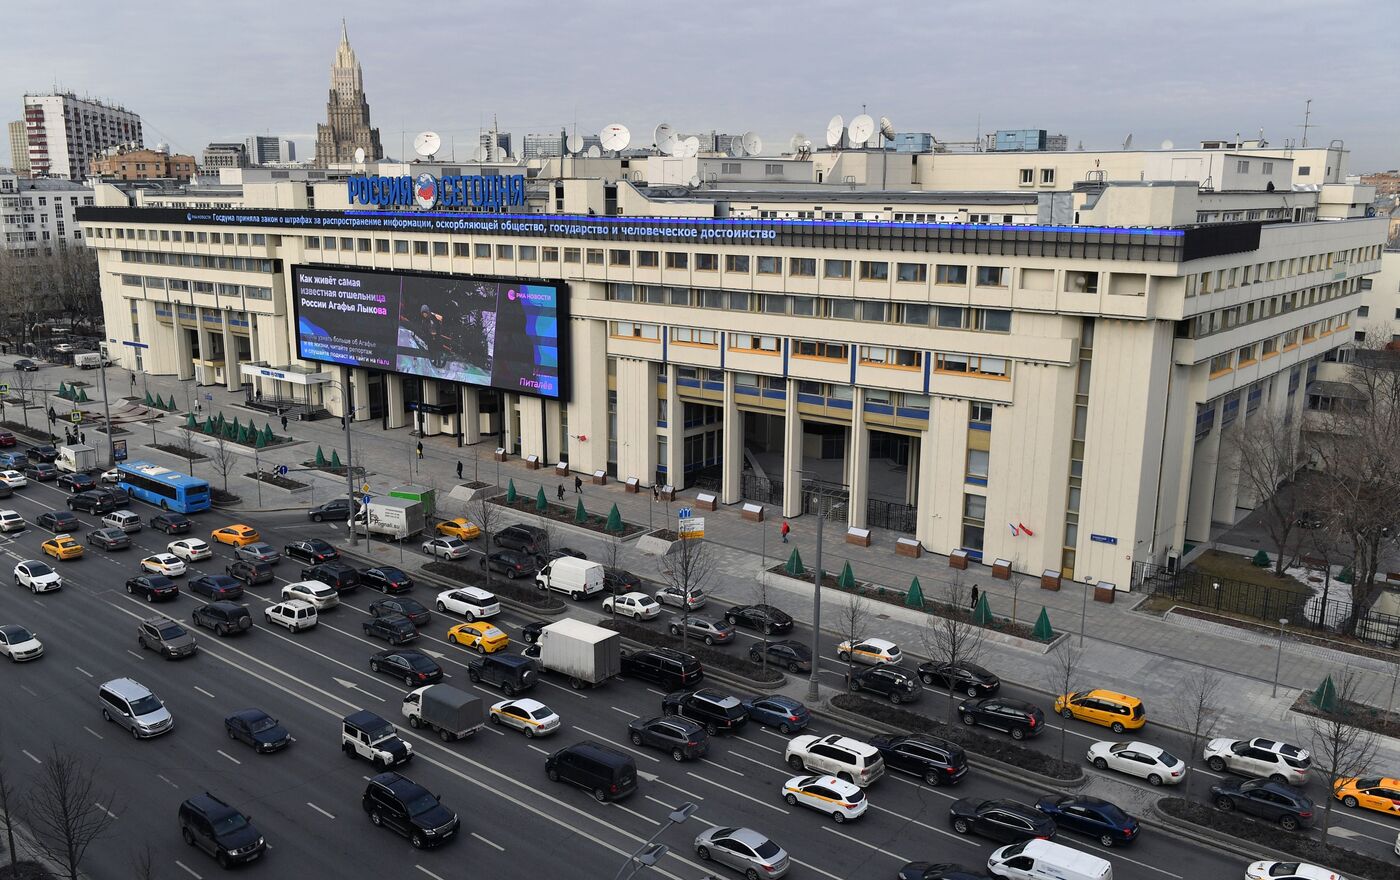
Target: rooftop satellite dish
column 665, row 138
column 427, row 143
column 735, row 148
column 796, row 141
column 692, row 147
column 574, row 143
column 862, row 127
column 615, row 137
column 887, row 128
column 594, row 151
column 359, row 155
column 482, row 153
column 694, row 181
column 1167, row 145
column 753, row 144
column 834, row 129
column 1128, row 141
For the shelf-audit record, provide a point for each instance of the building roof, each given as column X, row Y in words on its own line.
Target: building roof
column 50, row 184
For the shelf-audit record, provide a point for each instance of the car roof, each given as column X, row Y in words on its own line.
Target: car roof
column 1109, row 695
column 297, row 604
column 249, row 714
column 127, row 688
column 746, row 836
column 211, row 806
column 529, row 704
column 879, row 643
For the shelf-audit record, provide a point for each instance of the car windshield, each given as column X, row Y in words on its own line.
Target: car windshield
column 767, row 849
column 37, row 569
column 231, row 822
column 16, row 634
column 175, row 519
column 420, row 803
column 264, row 723
column 171, row 631
column 1283, row 869
column 145, row 705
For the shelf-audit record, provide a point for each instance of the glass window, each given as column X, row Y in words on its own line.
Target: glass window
column 871, row 271
column 994, row 320
column 617, row 257
column 680, row 296
column 313, row 242
column 439, row 248
column 706, row 262
column 911, row 313
column 549, row 255
column 737, row 302
column 874, row 311
column 770, row 265
column 677, row 260
column 505, row 252
column 991, row 276
column 974, row 507
column 572, row 255
column 460, row 249
column 648, row 259
column 775, row 304
column 527, row 252
column 594, row 256
column 653, row 294
column 736, row 263
column 952, row 317
column 951, row 274
column 977, row 461
column 836, row 268
column 802, row 267
column 841, row 308
column 917, row 272
column 400, row 246
column 420, row 248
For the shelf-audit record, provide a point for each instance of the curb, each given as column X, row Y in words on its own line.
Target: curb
column 446, row 584
column 1204, row 836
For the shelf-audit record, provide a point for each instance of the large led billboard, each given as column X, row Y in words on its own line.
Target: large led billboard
column 495, row 332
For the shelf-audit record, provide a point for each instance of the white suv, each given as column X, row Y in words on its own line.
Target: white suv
column 294, row 614
column 1260, row 758
column 839, row 756
column 472, row 603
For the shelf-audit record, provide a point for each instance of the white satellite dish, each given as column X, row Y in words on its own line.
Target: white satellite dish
column 665, row 138
column 735, row 148
column 594, row 152
column 692, row 147
column 574, row 143
column 834, row 129
column 753, row 144
column 1128, row 141
column 359, row 155
column 796, row 141
column 862, row 127
column 615, row 137
column 427, row 143
column 694, row 181
column 1167, row 145
column 482, row 153
column 886, row 128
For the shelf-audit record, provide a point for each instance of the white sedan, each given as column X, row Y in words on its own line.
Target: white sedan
column 473, row 603
column 871, row 652
column 163, row 563
column 839, row 799
column 321, row 595
column 635, row 605
column 447, row 548
column 19, row 644
column 190, row 549
column 1259, row 758
column 1289, row 871
column 13, row 479
column 38, row 576
column 1156, row 765
column 530, row 717
column 111, row 477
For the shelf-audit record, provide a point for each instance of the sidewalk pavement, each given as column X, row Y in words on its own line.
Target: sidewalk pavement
column 1124, row 649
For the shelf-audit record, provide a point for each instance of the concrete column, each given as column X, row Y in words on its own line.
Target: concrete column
column 431, row 422
column 636, row 420
column 1227, row 478
column 732, row 457
column 531, row 426
column 206, row 343
column 675, row 433
column 393, row 401
column 471, row 415
column 553, row 421
column 857, row 460
column 792, row 454
column 184, row 352
column 359, row 384
column 233, row 380
column 1204, row 465
column 911, row 476
column 926, row 495
column 509, row 408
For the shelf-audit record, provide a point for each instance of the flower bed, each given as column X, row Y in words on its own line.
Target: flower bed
column 730, row 663
column 565, row 516
column 1361, row 715
column 525, row 594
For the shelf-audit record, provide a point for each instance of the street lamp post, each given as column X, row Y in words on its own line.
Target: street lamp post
column 1278, row 660
column 650, row 852
column 107, row 412
column 346, row 419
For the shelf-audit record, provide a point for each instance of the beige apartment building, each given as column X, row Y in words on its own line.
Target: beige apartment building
column 1050, row 374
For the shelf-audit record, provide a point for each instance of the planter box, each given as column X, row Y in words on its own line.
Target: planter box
column 958, row 559
column 1050, row 579
column 631, row 485
column 561, row 469
column 654, row 545
column 1001, row 569
column 859, row 537
column 499, row 454
column 752, row 513
column 706, row 501
column 1103, row 592
column 464, row 493
column 668, row 493
column 532, row 462
column 600, row 478
column 908, row 547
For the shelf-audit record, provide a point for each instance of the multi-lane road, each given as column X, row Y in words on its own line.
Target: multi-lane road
column 515, row 823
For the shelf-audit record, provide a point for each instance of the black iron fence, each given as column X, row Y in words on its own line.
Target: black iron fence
column 894, row 515
column 761, row 489
column 1329, row 611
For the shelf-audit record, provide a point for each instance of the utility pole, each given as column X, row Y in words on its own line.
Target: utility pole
column 813, row 691
column 107, row 412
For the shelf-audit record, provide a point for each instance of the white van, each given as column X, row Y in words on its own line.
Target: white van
column 577, row 577
column 1047, row 860
column 122, row 519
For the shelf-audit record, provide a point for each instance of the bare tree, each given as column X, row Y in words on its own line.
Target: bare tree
column 1196, row 705
column 951, row 640
column 24, row 384
column 184, row 442
column 1267, row 456
column 143, row 864
column 687, row 568
column 1340, row 750
column 487, row 517
column 67, row 812
column 9, row 802
column 223, row 457
column 853, row 618
column 612, row 565
column 1063, row 670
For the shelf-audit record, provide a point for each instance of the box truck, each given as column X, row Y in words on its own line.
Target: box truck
column 588, row 655
column 396, row 518
column 87, row 360
column 453, row 713
column 76, row 459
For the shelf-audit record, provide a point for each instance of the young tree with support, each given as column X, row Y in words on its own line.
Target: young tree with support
column 1196, row 706
column 951, row 639
column 1063, row 671
column 487, row 517
column 852, row 619
column 1340, row 749
column 67, row 812
column 687, row 568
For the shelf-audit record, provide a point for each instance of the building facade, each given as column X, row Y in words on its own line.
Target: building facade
column 38, row 214
column 1059, row 391
column 19, row 148
column 347, row 125
column 65, row 133
column 119, row 164
column 269, row 149
column 229, row 155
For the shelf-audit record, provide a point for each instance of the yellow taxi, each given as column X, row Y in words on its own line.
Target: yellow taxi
column 1377, row 793
column 63, row 547
column 1118, row 712
column 461, row 527
column 480, row 636
column 236, row 535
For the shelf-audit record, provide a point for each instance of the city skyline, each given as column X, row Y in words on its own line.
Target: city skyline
column 1071, row 72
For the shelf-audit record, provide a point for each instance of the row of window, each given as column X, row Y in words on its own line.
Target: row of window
column 256, row 239
column 1249, row 354
column 200, row 261
column 1241, row 276
column 28, row 201
column 181, row 285
column 1220, row 320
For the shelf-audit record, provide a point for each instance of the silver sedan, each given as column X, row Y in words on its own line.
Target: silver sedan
column 447, row 548
column 744, row 850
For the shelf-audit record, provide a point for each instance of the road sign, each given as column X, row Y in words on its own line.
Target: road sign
column 692, row 528
column 4, row 388
column 119, row 450
column 76, row 417
column 364, row 499
column 365, row 488
column 208, row 396
column 135, row 344
column 684, row 513
column 281, row 470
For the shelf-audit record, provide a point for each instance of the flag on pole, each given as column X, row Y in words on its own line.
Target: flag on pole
column 1014, row 531
column 1026, row 530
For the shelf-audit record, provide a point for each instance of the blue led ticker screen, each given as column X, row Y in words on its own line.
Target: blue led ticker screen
column 493, row 332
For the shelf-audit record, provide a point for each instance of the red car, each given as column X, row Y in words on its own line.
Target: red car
column 7, row 439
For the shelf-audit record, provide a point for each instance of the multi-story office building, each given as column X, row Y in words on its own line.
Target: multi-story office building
column 19, row 148
column 269, row 149
column 1047, row 368
column 229, row 155
column 502, row 148
column 65, row 132
column 37, row 214
column 139, row 164
column 347, row 127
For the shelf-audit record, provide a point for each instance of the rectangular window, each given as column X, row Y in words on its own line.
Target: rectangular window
column 841, row 308
column 994, row 320
column 979, row 413
column 549, row 255
column 805, row 306
column 693, row 336
column 679, row 296
column 1246, row 355
column 952, row 317
column 872, row 271
column 420, row 248
column 770, row 265
column 874, row 311
column 802, row 267
column 677, row 260
column 737, row 302
column 1027, row 176
column 621, row 292
column 594, row 256
column 1047, row 176
column 1242, row 166
column 572, row 255
column 774, row 304
column 400, row 246
column 836, row 268
column 1221, row 363
column 481, row 251
column 912, row 272
column 950, row 274
column 991, row 276
column 617, row 257
column 753, row 342
column 977, row 462
column 633, row 330
column 814, row 348
column 439, row 248
column 911, row 313
column 648, row 259
column 970, row 364
column 313, row 242
column 653, row 294
column 706, row 262
column 460, row 249
column 891, row 357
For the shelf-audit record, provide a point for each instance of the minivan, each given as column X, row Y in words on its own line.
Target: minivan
column 129, row 704
column 1046, row 860
column 605, row 772
column 123, row 519
column 577, row 577
column 525, row 539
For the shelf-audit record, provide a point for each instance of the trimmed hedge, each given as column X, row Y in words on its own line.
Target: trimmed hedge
column 1006, row 751
column 707, row 656
column 1295, row 843
column 525, row 593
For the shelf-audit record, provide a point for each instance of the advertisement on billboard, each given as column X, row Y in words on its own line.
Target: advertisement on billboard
column 493, row 332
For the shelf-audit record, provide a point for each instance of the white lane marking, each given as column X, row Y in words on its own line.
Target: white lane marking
column 83, row 671
column 652, row 758
column 721, row 766
column 657, row 692
column 206, row 693
column 104, row 809
column 319, row 810
column 429, row 873
column 812, row 867
column 28, row 690
column 895, row 856
column 652, row 777
column 537, row 748
column 1117, row 853
column 134, row 654
column 162, row 778
column 354, row 687
column 942, row 831
column 490, row 843
column 623, row 711
column 93, row 732
column 1367, row 821
column 227, row 755
column 635, row 813
column 759, row 745
column 739, row 793
column 741, row 755
column 30, row 756
column 39, row 602
column 569, row 690
column 188, row 870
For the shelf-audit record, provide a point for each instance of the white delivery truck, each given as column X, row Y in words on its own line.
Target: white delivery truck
column 87, row 360
column 453, row 713
column 76, row 459
column 396, row 518
column 1046, row 860
column 567, row 574
column 589, row 655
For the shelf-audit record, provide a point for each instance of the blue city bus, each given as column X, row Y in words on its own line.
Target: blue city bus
column 162, row 487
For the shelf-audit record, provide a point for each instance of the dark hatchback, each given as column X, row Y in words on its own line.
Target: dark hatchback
column 1016, row 717
column 935, row 761
column 410, row 608
column 171, row 523
column 787, row 654
column 776, row 710
column 1268, row 800
column 965, row 678
column 250, row 573
column 386, row 579
column 216, row 586
column 413, row 666
column 770, row 620
column 1098, row 818
column 1002, row 820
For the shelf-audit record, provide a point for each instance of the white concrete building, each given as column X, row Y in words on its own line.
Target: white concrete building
column 36, row 214
column 1043, row 373
column 65, row 133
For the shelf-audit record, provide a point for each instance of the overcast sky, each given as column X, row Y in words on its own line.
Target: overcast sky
column 1095, row 71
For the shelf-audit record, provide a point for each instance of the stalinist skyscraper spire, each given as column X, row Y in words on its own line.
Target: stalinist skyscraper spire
column 347, row 112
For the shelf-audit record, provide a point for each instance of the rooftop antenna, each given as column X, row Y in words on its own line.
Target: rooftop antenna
column 1167, row 144
column 1262, row 142
column 862, row 127
column 594, row 152
column 1307, row 123
column 359, row 158
column 800, row 145
column 835, row 131
column 665, row 138
column 753, row 144
column 425, row 144
column 694, row 181
column 483, row 153
column 615, row 137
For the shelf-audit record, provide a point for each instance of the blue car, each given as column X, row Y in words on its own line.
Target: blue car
column 14, row 461
column 1090, row 815
column 774, row 710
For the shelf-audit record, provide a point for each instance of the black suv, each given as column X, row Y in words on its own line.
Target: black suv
column 58, row 521
column 787, row 654
column 512, row 673
column 410, row 809
column 386, row 579
column 336, row 509
column 720, row 713
column 935, row 761
column 683, row 738
column 311, row 551
column 393, row 628
column 896, row 685
column 1273, row 801
column 220, row 830
column 522, row 539
column 773, row 621
column 410, row 608
column 222, row 617
column 340, row 575
column 250, row 573
column 171, row 523
column 92, row 502
column 1016, row 717
column 511, row 563
column 965, row 678
column 666, row 667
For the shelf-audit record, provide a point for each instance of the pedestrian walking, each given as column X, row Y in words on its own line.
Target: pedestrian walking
column 561, row 491
column 784, row 530
column 578, row 485
column 284, row 424
column 82, row 437
column 420, row 450
column 459, row 469
column 655, row 494
column 975, row 596
column 133, row 381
